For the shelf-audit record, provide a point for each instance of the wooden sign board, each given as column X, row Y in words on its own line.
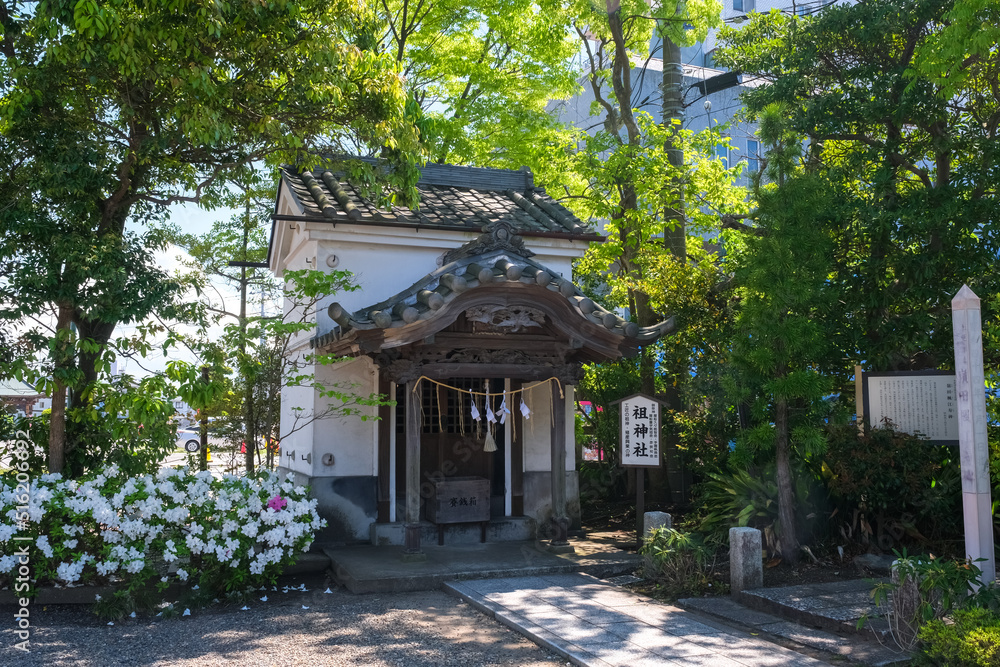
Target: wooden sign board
column 916, row 402
column 640, row 431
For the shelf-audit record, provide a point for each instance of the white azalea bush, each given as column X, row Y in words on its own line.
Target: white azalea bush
column 221, row 535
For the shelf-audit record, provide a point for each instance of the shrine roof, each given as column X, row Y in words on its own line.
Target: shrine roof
column 475, row 274
column 451, row 197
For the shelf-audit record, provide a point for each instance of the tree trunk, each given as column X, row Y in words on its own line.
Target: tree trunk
column 789, row 543
column 675, row 239
column 57, row 418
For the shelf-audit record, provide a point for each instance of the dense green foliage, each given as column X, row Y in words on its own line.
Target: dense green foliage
column 110, row 112
column 914, row 162
column 680, row 563
column 971, row 640
column 890, row 487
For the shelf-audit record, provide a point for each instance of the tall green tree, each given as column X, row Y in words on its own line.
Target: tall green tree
column 906, row 116
column 118, row 109
column 480, row 75
column 781, row 273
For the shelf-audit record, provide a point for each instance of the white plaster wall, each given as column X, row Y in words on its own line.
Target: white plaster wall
column 387, row 260
column 298, row 443
column 537, row 430
column 538, row 433
column 351, row 439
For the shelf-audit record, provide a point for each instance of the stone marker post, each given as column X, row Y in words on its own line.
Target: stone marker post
column 654, row 520
column 746, row 555
column 970, row 391
column 650, row 522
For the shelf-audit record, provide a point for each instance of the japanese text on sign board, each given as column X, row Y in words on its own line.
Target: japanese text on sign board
column 640, row 434
column 915, row 404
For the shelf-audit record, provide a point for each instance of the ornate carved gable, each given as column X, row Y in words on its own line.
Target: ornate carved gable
column 498, row 235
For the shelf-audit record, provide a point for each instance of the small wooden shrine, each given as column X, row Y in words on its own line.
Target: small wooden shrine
column 479, row 340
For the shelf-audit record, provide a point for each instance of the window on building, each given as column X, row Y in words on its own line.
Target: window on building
column 753, row 158
column 710, row 58
column 738, row 5
column 722, row 152
column 802, row 9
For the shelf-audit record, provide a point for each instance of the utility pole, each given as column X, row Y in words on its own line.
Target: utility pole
column 249, row 414
column 203, row 451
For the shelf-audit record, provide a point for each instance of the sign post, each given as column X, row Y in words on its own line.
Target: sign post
column 970, row 392
column 640, row 446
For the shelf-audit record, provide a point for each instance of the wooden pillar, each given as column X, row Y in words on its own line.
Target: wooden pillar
column 384, row 460
column 412, row 525
column 560, row 528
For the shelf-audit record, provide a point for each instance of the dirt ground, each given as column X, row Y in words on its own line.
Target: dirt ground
column 294, row 628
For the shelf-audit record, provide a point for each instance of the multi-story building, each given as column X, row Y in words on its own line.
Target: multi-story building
column 710, row 93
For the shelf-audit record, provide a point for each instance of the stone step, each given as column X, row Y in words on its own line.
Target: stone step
column 834, row 606
column 851, row 646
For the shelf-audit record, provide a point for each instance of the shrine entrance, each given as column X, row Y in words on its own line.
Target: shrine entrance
column 481, row 357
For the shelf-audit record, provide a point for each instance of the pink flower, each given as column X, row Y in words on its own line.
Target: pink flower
column 277, row 503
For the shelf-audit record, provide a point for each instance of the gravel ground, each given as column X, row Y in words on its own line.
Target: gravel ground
column 338, row 628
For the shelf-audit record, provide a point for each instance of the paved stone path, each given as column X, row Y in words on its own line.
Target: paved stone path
column 595, row 624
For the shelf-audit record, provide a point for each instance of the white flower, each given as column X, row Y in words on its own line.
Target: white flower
column 182, row 574
column 7, row 564
column 43, row 543
column 107, row 567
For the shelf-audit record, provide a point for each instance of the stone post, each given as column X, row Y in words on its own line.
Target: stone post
column 904, row 608
column 650, row 522
column 653, row 520
column 746, row 555
column 970, row 394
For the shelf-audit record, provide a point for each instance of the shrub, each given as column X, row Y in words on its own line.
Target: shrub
column 743, row 498
column 926, row 590
column 972, row 640
column 225, row 534
column 889, row 486
column 681, row 563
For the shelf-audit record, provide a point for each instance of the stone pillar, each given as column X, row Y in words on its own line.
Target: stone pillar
column 746, row 567
column 650, row 522
column 970, row 392
column 560, row 522
column 654, row 520
column 412, row 524
column 904, row 617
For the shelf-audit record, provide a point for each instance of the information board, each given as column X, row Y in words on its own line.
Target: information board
column 920, row 403
column 640, row 432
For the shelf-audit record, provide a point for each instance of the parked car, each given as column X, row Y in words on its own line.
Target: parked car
column 189, row 440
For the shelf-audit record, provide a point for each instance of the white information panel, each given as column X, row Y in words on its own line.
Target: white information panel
column 918, row 402
column 640, row 435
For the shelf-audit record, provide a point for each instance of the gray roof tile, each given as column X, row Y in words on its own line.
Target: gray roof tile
column 450, row 196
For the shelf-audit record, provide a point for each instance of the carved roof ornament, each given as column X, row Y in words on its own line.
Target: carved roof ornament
column 502, row 319
column 497, row 235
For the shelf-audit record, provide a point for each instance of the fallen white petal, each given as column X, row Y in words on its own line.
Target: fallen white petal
column 304, row 607
column 264, row 599
column 245, row 608
column 187, row 612
column 111, row 622
column 328, row 591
